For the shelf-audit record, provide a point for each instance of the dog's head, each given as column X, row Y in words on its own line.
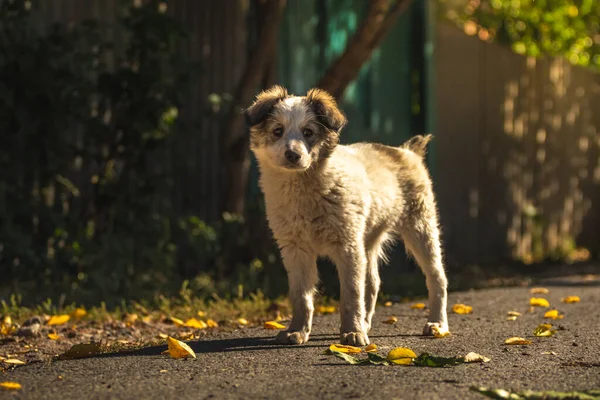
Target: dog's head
column 293, row 132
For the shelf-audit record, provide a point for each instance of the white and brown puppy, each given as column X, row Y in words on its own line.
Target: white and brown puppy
column 346, row 203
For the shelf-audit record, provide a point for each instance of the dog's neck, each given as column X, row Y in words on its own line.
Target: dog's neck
column 279, row 177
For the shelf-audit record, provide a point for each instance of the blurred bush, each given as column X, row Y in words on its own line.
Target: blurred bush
column 83, row 210
column 567, row 28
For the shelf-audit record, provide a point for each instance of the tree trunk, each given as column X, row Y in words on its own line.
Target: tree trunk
column 234, row 139
column 380, row 19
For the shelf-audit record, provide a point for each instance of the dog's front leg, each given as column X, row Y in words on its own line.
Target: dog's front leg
column 301, row 267
column 352, row 270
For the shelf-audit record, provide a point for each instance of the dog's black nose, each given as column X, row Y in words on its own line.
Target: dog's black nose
column 292, row 156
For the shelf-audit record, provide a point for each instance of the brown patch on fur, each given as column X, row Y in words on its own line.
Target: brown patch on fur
column 329, row 116
column 418, row 144
column 326, row 109
column 259, row 110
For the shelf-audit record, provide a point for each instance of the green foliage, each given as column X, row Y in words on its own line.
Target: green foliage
column 568, row 28
column 84, row 207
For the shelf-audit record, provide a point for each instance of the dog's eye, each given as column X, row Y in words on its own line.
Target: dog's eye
column 307, row 132
column 278, row 132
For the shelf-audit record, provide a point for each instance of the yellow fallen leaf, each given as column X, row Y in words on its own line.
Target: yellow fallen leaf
column 178, row 349
column 517, row 340
column 544, row 330
column 186, row 336
column 538, row 302
column 7, row 320
column 177, row 321
column 326, row 309
column 401, row 355
column 242, row 321
column 10, row 385
column 371, row 347
column 553, row 314
column 462, row 309
column 570, row 299
column 147, row 319
column 273, row 325
column 13, row 361
column 387, row 304
column 131, row 318
column 474, row 358
column 163, row 371
column 342, row 348
column 211, row 323
column 391, row 320
column 59, row 319
column 539, row 290
column 514, row 314
column 79, row 312
column 201, row 314
column 440, row 332
column 418, row 306
column 163, row 335
column 196, row 324
column 511, row 318
column 7, row 329
column 53, row 336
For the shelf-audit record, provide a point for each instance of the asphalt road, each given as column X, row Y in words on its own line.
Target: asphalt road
column 247, row 364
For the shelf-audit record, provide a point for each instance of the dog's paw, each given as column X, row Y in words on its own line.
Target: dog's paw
column 431, row 328
column 354, row 339
column 295, row 337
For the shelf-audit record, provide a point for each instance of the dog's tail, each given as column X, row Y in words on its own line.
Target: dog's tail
column 418, row 144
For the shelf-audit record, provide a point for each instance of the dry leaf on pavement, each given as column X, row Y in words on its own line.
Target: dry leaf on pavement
column 462, row 309
column 326, row 309
column 342, row 348
column 79, row 312
column 195, row 323
column 391, row 320
column 59, row 319
column 553, row 314
column 418, row 306
column 570, row 299
column 517, row 340
column 475, row 358
column 538, row 302
column 371, row 347
column 53, row 336
column 10, row 385
column 211, row 323
column 178, row 349
column 544, row 330
column 539, row 290
column 401, row 356
column 273, row 325
column 13, row 361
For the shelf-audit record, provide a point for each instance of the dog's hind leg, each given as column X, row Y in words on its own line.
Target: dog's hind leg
column 422, row 239
column 301, row 267
column 375, row 253
column 351, row 263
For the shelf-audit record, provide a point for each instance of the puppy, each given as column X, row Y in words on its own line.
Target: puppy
column 347, row 203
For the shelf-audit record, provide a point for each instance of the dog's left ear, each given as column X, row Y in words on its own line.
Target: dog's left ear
column 325, row 108
column 258, row 111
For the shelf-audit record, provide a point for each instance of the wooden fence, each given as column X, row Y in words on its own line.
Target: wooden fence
column 518, row 151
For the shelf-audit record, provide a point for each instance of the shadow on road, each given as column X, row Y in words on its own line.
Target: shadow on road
column 240, row 344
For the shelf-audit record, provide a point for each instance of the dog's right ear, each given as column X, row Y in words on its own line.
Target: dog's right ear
column 258, row 111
